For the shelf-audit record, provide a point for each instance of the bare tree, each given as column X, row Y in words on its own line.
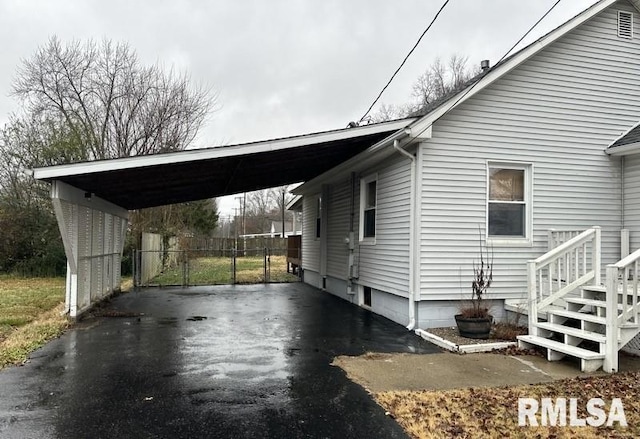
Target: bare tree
column 440, row 79
column 259, row 208
column 86, row 101
column 111, row 104
column 437, row 81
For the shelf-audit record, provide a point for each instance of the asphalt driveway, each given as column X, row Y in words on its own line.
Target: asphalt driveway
column 211, row 362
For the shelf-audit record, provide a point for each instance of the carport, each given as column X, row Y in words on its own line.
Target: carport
column 92, row 199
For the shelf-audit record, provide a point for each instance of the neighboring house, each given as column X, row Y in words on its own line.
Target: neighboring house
column 520, row 151
column 290, row 228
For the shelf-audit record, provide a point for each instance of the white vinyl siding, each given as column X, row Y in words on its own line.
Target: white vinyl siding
column 338, row 230
column 385, row 265
column 310, row 247
column 558, row 111
column 632, row 199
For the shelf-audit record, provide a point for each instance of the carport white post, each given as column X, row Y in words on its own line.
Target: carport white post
column 93, row 232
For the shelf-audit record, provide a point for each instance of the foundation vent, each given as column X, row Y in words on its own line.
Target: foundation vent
column 625, row 24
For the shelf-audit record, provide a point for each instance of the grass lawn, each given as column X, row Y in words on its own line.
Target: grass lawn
column 30, row 315
column 217, row 270
column 493, row 412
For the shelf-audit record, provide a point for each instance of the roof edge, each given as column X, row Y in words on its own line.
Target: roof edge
column 82, row 168
column 627, row 149
column 367, row 157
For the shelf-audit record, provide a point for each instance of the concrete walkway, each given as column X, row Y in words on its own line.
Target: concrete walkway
column 448, row 370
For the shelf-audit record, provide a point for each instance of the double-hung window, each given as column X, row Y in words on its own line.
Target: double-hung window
column 508, row 202
column 368, row 205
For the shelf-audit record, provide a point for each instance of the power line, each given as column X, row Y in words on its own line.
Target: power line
column 404, row 60
column 503, row 56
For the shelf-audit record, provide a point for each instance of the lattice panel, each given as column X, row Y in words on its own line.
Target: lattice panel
column 633, row 346
column 93, row 239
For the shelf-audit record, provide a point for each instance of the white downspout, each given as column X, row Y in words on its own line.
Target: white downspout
column 412, row 237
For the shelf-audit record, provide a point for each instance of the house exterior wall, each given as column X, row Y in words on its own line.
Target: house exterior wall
column 632, row 199
column 555, row 114
column 310, row 245
column 338, row 229
column 384, row 265
column 557, row 111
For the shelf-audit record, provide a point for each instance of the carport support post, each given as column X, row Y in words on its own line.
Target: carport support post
column 93, row 232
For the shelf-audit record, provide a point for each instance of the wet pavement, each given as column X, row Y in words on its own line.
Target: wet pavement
column 210, row 362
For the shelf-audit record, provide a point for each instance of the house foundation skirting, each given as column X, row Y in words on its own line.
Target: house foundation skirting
column 431, row 313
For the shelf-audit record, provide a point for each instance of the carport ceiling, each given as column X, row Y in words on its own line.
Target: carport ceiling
column 155, row 180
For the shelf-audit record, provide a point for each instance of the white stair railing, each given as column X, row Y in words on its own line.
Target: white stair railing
column 622, row 305
column 556, row 237
column 562, row 270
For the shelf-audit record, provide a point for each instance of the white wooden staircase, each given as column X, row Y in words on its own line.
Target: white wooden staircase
column 572, row 314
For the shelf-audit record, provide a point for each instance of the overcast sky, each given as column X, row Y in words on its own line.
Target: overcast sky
column 279, row 67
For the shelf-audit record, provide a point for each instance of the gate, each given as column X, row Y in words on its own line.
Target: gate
column 212, row 267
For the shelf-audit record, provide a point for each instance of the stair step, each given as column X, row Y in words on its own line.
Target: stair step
column 574, row 351
column 586, row 302
column 590, row 302
column 578, row 316
column 595, row 288
column 574, row 332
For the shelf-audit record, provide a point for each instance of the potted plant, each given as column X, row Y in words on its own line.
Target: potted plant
column 474, row 320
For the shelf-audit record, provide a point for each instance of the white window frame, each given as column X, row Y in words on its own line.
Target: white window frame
column 364, row 183
column 361, row 301
column 512, row 241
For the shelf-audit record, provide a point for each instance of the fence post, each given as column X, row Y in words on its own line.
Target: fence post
column 264, row 264
column 233, row 265
column 185, row 274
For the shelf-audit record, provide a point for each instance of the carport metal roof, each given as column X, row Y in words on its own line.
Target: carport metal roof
column 154, row 180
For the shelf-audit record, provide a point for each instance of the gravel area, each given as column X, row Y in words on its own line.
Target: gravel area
column 451, row 334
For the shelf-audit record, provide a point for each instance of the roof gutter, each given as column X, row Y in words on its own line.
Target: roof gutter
column 622, row 150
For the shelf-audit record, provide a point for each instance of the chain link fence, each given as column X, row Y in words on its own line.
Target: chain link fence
column 213, row 267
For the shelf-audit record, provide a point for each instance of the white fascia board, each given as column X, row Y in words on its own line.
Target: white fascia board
column 295, row 203
column 193, row 155
column 613, row 148
column 628, row 149
column 63, row 191
column 366, row 158
column 500, row 70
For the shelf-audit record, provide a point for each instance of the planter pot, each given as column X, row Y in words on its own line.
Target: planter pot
column 474, row 327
